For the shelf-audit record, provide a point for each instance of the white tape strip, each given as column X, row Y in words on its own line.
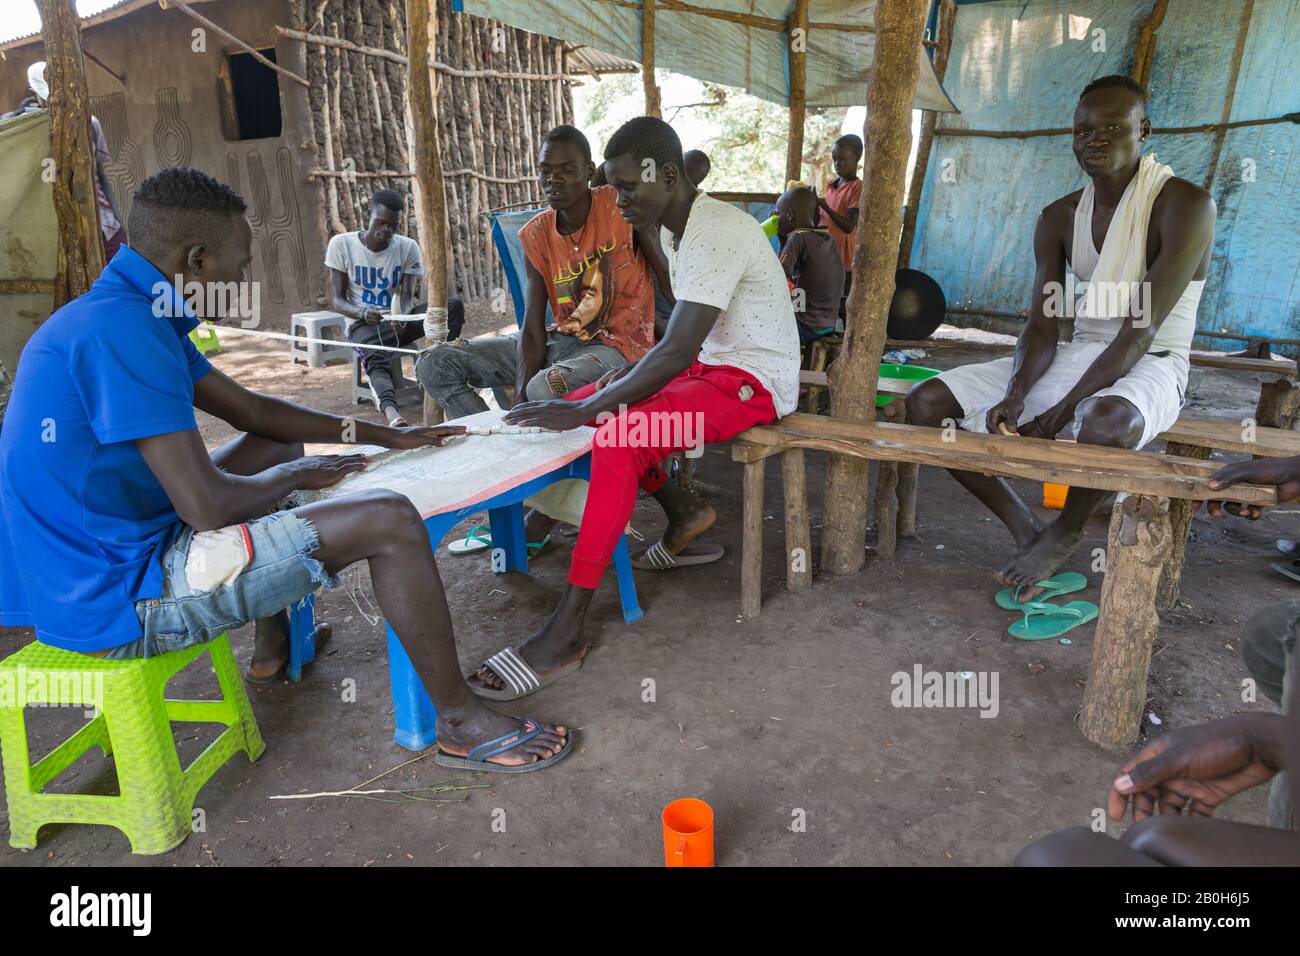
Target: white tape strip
column 302, row 338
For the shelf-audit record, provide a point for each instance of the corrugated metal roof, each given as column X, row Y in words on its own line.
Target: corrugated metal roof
column 585, row 59
column 120, row 8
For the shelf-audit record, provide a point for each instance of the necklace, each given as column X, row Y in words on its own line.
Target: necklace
column 577, row 244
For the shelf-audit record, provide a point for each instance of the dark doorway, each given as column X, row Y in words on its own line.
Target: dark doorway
column 255, row 88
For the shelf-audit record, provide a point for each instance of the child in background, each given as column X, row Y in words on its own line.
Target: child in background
column 839, row 207
column 812, row 263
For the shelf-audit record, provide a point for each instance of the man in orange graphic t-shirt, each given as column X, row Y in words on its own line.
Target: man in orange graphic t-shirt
column 585, row 262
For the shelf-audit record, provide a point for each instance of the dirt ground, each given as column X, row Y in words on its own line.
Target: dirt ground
column 763, row 720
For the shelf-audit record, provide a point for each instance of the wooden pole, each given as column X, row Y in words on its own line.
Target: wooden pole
column 796, row 39
column 1116, row 694
column 1230, row 95
column 1278, row 405
column 947, row 17
column 652, row 104
column 751, row 542
column 888, row 137
column 81, row 244
column 798, row 536
column 1180, row 525
column 426, row 160
column 1144, row 54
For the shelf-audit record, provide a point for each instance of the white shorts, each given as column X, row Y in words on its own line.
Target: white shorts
column 1154, row 386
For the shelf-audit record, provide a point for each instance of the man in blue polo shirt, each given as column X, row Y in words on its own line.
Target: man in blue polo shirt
column 120, row 535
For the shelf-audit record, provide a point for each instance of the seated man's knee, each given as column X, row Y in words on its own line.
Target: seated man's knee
column 391, row 513
column 377, row 361
column 547, row 384
column 438, row 367
column 929, row 403
column 1111, row 420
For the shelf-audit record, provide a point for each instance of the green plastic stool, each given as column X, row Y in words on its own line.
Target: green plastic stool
column 133, row 722
column 204, row 338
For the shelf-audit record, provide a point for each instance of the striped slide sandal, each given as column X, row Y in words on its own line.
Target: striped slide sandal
column 520, row 679
column 659, row 558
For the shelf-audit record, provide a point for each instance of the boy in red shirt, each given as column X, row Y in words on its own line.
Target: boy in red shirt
column 840, row 204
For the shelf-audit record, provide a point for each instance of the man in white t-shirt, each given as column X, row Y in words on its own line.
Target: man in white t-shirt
column 729, row 361
column 368, row 270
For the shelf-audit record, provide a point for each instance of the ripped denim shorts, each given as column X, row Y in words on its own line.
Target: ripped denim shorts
column 281, row 572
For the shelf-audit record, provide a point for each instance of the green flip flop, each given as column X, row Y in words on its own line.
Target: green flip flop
column 478, row 538
column 1044, row 621
column 1067, row 582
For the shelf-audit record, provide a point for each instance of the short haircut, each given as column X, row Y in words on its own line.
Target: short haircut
column 565, row 133
column 1117, row 81
column 647, row 137
column 851, row 140
column 180, row 205
column 389, row 199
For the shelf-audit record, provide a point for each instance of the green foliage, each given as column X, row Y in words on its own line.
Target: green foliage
column 744, row 137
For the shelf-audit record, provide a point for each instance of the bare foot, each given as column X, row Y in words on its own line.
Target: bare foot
column 270, row 647
column 458, row 734
column 1041, row 559
column 537, row 525
column 688, row 516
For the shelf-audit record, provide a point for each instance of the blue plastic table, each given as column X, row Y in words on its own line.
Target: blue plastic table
column 413, row 711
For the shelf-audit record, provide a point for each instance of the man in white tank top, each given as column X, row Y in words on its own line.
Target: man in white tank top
column 1137, row 240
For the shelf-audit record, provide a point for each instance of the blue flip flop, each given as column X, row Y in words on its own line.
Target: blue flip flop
column 1044, row 621
column 477, row 758
column 1067, row 582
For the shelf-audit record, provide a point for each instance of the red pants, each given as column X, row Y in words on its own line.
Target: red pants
column 701, row 405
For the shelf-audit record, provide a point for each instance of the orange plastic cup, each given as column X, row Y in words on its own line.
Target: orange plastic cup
column 688, row 833
column 1054, row 495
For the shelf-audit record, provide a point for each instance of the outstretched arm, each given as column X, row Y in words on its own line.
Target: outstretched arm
column 205, row 497
column 258, row 414
column 689, row 326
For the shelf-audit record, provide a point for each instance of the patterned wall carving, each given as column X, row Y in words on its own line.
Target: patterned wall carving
column 173, row 141
column 277, row 225
column 125, row 168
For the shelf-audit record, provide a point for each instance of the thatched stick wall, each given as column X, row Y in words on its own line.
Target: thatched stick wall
column 499, row 91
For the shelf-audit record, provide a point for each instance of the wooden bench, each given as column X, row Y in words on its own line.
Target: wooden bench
column 895, row 504
column 1139, row 549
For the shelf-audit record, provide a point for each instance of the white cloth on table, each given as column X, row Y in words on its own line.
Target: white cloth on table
column 464, row 472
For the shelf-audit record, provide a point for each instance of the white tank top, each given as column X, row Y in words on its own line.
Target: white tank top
column 1175, row 333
